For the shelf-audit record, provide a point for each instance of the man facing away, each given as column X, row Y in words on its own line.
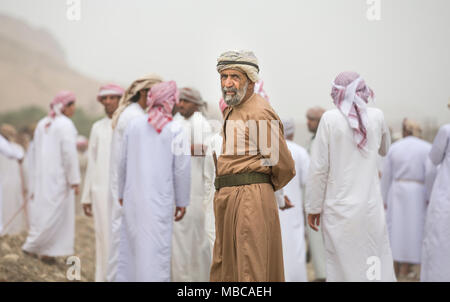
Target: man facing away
column 154, row 178
column 343, row 192
column 95, row 191
column 248, row 236
column 403, row 185
column 131, row 105
column 436, row 242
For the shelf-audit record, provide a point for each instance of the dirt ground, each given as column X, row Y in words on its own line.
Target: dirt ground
column 17, row 266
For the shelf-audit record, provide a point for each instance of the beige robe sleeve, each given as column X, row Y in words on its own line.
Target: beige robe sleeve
column 283, row 166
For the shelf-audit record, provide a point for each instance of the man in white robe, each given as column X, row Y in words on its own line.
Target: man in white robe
column 95, row 191
column 131, row 105
column 154, row 177
column 316, row 248
column 436, row 242
column 12, row 187
column 55, row 179
column 191, row 253
column 343, row 192
column 12, row 152
column 405, row 196
column 292, row 220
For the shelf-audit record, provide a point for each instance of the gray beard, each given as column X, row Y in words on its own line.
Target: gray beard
column 232, row 100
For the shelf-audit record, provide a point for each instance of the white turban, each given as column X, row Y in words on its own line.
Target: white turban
column 244, row 61
column 289, row 127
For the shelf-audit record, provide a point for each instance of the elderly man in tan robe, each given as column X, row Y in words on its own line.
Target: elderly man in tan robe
column 248, row 235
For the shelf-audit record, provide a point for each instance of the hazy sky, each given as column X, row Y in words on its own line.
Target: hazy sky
column 301, row 46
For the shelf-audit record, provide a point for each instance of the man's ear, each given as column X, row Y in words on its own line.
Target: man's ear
column 251, row 86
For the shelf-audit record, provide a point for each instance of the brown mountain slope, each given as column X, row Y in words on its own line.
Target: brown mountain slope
column 33, row 69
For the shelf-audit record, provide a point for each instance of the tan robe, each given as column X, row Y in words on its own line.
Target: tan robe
column 248, row 235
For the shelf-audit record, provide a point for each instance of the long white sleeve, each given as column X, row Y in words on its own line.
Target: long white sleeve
column 385, row 140
column 122, row 166
column 304, row 164
column 386, row 178
column 318, row 170
column 279, row 196
column 86, row 197
column 182, row 170
column 208, row 202
column 430, row 176
column 440, row 145
column 9, row 150
column 69, row 155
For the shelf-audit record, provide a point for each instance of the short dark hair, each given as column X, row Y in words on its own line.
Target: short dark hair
column 135, row 97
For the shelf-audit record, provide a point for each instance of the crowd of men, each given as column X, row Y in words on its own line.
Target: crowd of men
column 175, row 199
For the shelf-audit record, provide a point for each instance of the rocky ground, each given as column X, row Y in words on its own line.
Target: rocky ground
column 17, row 266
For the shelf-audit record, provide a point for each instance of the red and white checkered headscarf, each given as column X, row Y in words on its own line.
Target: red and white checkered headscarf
column 59, row 102
column 160, row 100
column 350, row 94
column 110, row 89
column 259, row 89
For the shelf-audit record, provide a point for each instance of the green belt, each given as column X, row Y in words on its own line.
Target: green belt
column 241, row 179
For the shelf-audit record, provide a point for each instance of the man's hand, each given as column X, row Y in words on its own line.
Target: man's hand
column 287, row 204
column 121, row 202
column 314, row 221
column 76, row 189
column 87, row 208
column 179, row 213
column 195, row 150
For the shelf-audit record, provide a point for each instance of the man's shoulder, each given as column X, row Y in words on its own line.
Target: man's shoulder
column 375, row 113
column 63, row 121
column 129, row 113
column 131, row 110
column 331, row 115
column 397, row 144
column 175, row 126
column 101, row 122
column 445, row 128
column 42, row 122
column 137, row 122
column 260, row 109
column 423, row 143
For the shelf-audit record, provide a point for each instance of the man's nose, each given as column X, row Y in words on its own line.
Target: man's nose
column 228, row 82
